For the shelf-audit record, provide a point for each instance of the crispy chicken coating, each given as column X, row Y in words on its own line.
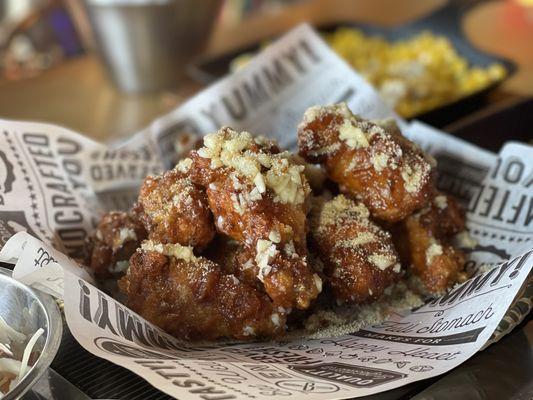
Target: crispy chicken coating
column 372, row 162
column 174, row 210
column 424, row 243
column 359, row 258
column 116, row 238
column 223, row 252
column 258, row 197
column 191, row 298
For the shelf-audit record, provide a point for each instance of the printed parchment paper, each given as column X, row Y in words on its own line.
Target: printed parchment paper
column 55, row 183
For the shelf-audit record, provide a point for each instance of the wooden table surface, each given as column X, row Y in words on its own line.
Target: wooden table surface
column 77, row 94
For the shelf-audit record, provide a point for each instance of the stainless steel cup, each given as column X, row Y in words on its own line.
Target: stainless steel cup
column 146, row 44
column 26, row 310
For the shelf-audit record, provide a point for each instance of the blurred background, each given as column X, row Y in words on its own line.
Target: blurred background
column 107, row 68
column 129, row 61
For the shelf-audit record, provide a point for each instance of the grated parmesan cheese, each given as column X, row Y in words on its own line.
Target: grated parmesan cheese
column 412, row 176
column 311, row 114
column 361, row 239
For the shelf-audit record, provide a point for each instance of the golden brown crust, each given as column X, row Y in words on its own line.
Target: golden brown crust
column 372, row 162
column 175, row 210
column 359, row 258
column 257, row 269
column 258, row 198
column 223, row 251
column 424, row 243
column 116, row 238
column 193, row 299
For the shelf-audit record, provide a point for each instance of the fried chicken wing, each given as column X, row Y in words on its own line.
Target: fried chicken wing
column 424, row 243
column 191, row 298
column 258, row 197
column 223, row 252
column 117, row 236
column 359, row 258
column 372, row 162
column 174, row 210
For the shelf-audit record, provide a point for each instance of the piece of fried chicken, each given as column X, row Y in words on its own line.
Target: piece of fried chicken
column 191, row 298
column 258, row 197
column 372, row 162
column 424, row 243
column 174, row 210
column 359, row 258
column 117, row 236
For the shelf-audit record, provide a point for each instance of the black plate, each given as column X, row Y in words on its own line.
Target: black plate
column 495, row 125
column 445, row 22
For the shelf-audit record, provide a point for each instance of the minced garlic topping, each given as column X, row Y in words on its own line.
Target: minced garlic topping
column 184, row 165
column 352, row 135
column 248, row 330
column 171, row 250
column 275, row 319
column 274, row 236
column 127, row 234
column 290, row 250
column 433, row 251
column 440, row 202
column 228, row 148
column 266, row 250
column 464, row 240
column 119, row 267
column 318, row 282
column 124, row 235
column 381, row 261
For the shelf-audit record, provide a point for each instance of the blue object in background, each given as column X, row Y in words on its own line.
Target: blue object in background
column 64, row 31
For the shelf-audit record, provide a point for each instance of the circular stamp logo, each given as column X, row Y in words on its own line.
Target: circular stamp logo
column 304, row 386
